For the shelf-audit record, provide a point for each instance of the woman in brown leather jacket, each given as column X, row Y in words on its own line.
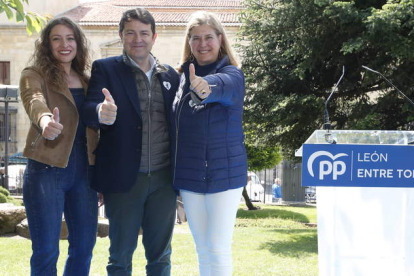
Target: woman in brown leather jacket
column 56, row 179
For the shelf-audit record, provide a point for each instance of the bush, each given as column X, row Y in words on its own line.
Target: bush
column 4, row 191
column 3, row 198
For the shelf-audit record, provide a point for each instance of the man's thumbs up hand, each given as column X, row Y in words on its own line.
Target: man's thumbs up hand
column 108, row 96
column 107, row 110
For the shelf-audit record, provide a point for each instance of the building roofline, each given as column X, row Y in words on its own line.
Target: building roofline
column 157, row 24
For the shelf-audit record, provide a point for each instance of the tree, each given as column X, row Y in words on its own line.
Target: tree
column 259, row 157
column 293, row 53
column 14, row 9
column 262, row 157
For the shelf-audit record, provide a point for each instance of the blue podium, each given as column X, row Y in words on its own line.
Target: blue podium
column 364, row 200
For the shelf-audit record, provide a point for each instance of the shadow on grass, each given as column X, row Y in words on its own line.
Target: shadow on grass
column 300, row 241
column 272, row 213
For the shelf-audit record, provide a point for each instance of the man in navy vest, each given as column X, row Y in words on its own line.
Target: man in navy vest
column 129, row 99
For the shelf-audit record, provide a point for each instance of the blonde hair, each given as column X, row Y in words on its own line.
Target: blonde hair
column 207, row 18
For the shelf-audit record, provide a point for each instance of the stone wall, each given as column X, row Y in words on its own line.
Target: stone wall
column 10, row 217
column 17, row 47
column 13, row 221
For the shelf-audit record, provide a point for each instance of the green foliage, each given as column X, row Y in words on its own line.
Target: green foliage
column 15, row 11
column 6, row 198
column 3, row 198
column 262, row 157
column 4, row 191
column 293, row 53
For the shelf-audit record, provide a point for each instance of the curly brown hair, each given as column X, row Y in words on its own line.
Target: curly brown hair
column 49, row 65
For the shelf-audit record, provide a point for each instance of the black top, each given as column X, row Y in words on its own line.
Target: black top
column 79, row 97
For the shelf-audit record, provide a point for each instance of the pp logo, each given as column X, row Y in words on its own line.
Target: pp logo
column 327, row 167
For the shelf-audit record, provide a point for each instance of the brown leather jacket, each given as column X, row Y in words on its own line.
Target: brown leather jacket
column 40, row 98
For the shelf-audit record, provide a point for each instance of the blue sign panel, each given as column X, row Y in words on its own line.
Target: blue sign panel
column 357, row 165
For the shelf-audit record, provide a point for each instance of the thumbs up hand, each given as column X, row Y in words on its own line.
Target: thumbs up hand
column 107, row 110
column 51, row 127
column 192, row 72
column 198, row 85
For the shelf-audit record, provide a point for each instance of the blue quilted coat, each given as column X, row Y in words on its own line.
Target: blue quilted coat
column 210, row 156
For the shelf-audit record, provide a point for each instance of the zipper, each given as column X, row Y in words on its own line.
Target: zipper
column 35, row 141
column 177, row 127
column 207, row 134
column 148, row 84
column 205, row 178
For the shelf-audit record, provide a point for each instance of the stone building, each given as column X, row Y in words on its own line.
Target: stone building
column 99, row 20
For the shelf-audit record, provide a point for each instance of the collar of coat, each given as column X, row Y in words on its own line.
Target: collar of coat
column 158, row 67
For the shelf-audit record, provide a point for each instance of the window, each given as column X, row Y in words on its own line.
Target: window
column 4, row 72
column 11, row 128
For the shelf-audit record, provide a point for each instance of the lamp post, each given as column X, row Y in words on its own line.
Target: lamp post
column 8, row 94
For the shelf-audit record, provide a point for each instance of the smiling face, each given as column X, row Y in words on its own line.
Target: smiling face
column 137, row 39
column 63, row 44
column 205, row 44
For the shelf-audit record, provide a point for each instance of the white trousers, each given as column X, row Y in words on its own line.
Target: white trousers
column 211, row 218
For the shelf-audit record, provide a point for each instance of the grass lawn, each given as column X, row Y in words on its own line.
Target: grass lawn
column 271, row 241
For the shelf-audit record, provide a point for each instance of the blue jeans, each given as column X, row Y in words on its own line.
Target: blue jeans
column 150, row 205
column 48, row 192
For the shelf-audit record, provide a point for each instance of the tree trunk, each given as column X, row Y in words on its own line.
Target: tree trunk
column 249, row 203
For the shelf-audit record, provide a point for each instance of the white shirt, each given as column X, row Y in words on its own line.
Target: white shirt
column 151, row 60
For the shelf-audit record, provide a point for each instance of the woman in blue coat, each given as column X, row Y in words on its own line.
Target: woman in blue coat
column 210, row 161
